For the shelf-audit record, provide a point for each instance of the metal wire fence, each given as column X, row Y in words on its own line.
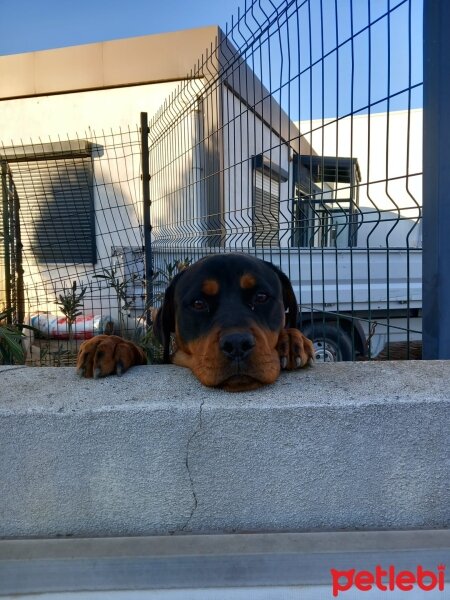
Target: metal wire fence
column 80, row 240
column 298, row 141
column 295, row 138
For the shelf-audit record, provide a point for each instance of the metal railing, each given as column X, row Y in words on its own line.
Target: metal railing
column 296, row 138
column 11, row 276
column 81, row 233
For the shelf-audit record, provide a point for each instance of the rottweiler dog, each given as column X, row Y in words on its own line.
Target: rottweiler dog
column 233, row 319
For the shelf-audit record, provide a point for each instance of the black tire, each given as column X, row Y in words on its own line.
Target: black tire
column 331, row 344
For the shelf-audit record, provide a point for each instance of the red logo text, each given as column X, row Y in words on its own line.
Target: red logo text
column 388, row 579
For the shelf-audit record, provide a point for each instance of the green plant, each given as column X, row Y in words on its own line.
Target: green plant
column 70, row 302
column 43, row 354
column 119, row 285
column 62, row 357
column 11, row 349
column 161, row 279
column 171, row 269
column 152, row 348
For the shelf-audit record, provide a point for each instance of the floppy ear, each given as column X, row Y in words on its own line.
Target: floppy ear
column 289, row 299
column 164, row 323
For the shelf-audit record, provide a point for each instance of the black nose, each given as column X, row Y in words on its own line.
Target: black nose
column 237, row 346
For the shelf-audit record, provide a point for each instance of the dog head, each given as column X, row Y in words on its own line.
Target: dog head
column 226, row 312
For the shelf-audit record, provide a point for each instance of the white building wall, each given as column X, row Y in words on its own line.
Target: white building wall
column 109, row 118
column 244, row 136
column 67, row 116
column 176, row 168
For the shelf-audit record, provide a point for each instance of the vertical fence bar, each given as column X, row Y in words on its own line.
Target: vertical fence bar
column 20, row 294
column 6, row 239
column 148, row 267
column 436, row 181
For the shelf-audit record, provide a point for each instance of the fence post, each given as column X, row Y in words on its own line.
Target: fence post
column 6, row 239
column 436, row 181
column 148, row 266
column 19, row 285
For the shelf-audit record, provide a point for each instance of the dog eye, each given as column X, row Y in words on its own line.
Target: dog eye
column 199, row 305
column 260, row 298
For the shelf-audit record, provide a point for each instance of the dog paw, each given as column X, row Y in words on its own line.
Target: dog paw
column 107, row 355
column 294, row 349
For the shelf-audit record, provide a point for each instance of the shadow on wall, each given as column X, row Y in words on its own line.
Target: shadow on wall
column 72, row 218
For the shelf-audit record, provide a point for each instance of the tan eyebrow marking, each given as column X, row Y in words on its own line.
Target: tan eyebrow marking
column 210, row 287
column 247, row 281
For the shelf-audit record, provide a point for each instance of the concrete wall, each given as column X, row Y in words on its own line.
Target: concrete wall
column 124, row 62
column 79, row 114
column 336, row 447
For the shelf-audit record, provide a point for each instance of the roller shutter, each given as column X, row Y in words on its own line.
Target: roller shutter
column 266, row 210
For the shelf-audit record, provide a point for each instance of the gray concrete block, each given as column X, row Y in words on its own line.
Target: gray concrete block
column 336, row 447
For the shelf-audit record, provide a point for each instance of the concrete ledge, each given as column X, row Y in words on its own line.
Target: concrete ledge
column 336, row 447
column 202, row 561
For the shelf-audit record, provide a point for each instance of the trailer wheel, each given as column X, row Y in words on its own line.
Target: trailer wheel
column 330, row 344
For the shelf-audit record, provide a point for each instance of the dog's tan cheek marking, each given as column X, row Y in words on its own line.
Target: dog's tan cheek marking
column 202, row 356
column 247, row 281
column 210, row 287
column 193, row 354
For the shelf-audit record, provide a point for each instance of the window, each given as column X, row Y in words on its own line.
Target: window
column 55, row 188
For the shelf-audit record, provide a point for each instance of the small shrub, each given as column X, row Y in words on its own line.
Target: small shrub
column 11, row 349
column 70, row 302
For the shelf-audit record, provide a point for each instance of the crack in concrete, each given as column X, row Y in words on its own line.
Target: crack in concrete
column 191, row 481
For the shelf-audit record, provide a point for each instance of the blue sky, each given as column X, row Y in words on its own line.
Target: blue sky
column 29, row 25
column 346, row 81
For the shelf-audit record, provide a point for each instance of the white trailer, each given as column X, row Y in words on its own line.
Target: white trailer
column 352, row 302
column 355, row 301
